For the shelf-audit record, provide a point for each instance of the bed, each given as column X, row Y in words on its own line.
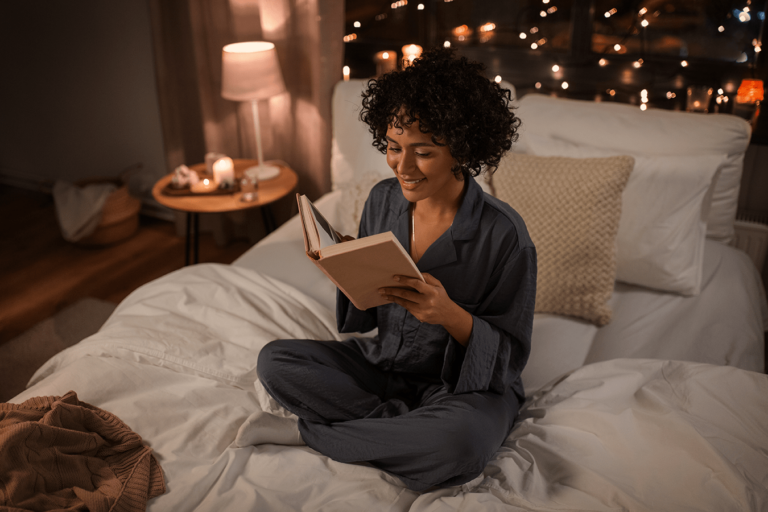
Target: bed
column 664, row 407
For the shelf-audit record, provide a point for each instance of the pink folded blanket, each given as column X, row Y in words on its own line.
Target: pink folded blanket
column 58, row 453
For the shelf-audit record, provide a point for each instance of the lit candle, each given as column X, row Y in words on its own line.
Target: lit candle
column 345, row 71
column 386, row 61
column 205, row 185
column 224, row 172
column 411, row 52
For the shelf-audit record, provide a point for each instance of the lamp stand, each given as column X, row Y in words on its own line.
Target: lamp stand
column 260, row 171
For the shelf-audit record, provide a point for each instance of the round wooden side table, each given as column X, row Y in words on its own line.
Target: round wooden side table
column 267, row 192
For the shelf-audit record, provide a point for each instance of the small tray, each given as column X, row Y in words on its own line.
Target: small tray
column 168, row 190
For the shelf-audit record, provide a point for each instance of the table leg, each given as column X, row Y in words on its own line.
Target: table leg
column 186, row 239
column 197, row 237
column 269, row 219
column 192, row 240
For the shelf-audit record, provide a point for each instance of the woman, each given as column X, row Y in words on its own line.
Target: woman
column 433, row 396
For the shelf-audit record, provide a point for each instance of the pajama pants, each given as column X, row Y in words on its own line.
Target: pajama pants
column 407, row 425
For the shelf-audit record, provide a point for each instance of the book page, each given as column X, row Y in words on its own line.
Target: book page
column 325, row 231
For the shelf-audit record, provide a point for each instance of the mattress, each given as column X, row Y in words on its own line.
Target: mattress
column 177, row 363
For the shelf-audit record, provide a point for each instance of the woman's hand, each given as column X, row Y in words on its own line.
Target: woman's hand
column 429, row 303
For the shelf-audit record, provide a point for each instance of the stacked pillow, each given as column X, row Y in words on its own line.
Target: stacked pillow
column 663, row 227
column 571, row 207
column 684, row 186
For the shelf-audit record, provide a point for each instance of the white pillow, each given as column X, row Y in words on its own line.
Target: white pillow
column 663, row 225
column 625, row 129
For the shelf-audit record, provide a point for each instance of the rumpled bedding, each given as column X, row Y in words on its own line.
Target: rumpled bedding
column 59, row 453
column 177, row 361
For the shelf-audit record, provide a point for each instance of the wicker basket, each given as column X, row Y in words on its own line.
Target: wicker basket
column 119, row 216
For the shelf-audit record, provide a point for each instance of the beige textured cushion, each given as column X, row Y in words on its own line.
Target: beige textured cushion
column 571, row 207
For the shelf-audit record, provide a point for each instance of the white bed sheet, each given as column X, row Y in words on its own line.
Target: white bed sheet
column 176, row 362
column 723, row 325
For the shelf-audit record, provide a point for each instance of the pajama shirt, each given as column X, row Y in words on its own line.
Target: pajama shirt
column 412, row 400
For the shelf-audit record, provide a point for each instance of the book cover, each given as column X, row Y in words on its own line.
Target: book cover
column 357, row 267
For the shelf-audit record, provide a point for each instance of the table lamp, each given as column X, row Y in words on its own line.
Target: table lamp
column 250, row 71
column 748, row 98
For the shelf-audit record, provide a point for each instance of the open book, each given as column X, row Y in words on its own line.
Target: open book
column 358, row 267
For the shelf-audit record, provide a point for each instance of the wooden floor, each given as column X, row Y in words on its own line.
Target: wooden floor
column 41, row 273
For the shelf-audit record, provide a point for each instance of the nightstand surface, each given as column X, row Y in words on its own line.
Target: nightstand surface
column 267, row 192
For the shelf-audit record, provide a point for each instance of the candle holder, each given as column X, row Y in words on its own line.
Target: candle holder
column 386, row 61
column 698, row 99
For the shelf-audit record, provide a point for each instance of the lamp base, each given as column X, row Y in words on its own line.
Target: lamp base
column 263, row 172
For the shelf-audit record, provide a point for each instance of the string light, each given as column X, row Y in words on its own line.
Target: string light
column 523, row 35
column 643, row 11
column 543, row 14
column 610, row 13
column 497, row 79
column 684, row 63
column 617, row 47
column 399, row 3
column 744, row 17
column 643, row 107
column 671, row 95
column 357, row 24
column 555, row 68
column 611, row 92
column 420, row 7
column 552, row 10
column 721, row 28
column 488, row 27
column 534, row 46
column 644, row 23
column 350, row 37
column 537, row 85
column 447, row 44
column 602, row 62
column 638, row 63
column 564, row 85
column 534, row 30
column 385, row 55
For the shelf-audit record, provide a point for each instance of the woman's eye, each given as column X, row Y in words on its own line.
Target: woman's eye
column 422, row 154
column 393, row 149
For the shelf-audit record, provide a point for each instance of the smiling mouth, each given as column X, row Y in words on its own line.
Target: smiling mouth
column 412, row 182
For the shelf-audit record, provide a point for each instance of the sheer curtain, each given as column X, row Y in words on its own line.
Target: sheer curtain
column 188, row 36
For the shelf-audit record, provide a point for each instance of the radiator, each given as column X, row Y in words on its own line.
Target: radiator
column 752, row 238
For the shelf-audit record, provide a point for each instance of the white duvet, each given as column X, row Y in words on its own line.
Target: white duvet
column 177, row 363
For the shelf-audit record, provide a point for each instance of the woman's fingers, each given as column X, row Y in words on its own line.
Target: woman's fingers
column 400, row 293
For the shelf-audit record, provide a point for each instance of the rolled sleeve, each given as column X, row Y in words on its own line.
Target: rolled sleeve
column 494, row 358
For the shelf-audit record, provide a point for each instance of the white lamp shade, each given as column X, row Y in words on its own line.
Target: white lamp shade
column 250, row 71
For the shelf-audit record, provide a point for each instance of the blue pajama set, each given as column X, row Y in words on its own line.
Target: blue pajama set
column 412, row 400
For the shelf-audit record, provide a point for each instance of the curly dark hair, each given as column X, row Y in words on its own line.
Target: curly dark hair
column 453, row 100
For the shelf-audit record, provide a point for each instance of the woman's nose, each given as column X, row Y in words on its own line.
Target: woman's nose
column 404, row 163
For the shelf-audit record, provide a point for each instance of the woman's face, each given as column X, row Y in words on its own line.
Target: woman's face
column 422, row 167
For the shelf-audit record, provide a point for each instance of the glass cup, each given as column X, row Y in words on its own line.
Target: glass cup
column 248, row 185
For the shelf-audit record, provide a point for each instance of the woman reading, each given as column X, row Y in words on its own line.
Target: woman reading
column 433, row 395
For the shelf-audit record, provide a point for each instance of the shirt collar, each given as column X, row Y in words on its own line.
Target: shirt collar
column 465, row 225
